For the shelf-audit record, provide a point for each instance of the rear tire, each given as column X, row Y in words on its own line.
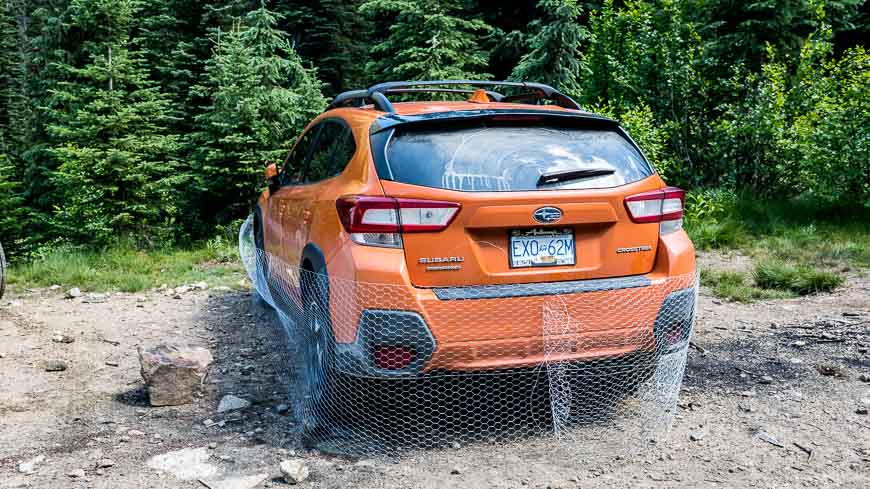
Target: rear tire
column 317, row 377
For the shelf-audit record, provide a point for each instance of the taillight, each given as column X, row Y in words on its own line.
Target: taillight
column 664, row 206
column 380, row 221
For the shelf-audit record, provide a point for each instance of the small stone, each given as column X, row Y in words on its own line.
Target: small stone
column 73, row 293
column 136, row 433
column 112, row 362
column 100, row 472
column 765, row 379
column 294, row 471
column 62, row 338
column 54, row 366
column 696, row 435
column 181, row 290
column 831, row 370
column 282, row 408
column 208, row 422
column 54, row 287
column 455, row 471
column 455, row 445
column 76, row 473
column 799, row 343
column 29, row 466
column 232, row 403
column 200, row 286
column 105, row 463
column 862, row 411
column 864, row 378
column 747, row 393
column 212, row 445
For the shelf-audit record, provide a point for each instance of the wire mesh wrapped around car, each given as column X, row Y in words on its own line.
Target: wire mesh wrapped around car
column 380, row 368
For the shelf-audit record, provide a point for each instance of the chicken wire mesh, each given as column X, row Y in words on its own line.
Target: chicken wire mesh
column 594, row 366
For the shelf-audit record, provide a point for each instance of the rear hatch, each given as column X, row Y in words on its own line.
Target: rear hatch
column 541, row 199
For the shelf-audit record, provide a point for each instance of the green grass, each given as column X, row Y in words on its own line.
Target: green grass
column 797, row 230
column 800, row 279
column 126, row 269
column 734, row 286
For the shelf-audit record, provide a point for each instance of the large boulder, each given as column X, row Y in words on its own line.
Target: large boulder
column 173, row 372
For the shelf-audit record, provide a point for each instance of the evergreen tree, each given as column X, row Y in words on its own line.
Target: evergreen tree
column 259, row 98
column 555, row 55
column 117, row 172
column 331, row 35
column 428, row 40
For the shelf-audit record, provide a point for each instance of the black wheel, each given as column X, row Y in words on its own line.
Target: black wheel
column 316, row 376
column 2, row 272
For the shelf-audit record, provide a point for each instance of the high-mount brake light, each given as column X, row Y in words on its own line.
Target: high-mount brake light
column 380, row 221
column 664, row 206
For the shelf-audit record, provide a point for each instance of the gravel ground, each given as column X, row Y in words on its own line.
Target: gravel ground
column 773, row 397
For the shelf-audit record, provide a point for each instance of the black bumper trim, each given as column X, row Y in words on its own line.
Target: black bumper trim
column 536, row 289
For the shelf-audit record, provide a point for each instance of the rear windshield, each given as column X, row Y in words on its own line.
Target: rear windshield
column 513, row 158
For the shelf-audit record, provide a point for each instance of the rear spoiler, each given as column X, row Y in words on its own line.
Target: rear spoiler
column 390, row 121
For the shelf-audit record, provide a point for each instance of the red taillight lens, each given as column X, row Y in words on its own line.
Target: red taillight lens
column 364, row 214
column 389, row 357
column 656, row 206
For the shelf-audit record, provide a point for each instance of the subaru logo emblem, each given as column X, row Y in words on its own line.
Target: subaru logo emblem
column 547, row 215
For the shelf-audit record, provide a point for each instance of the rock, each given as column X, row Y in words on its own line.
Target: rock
column 95, row 298
column 76, row 473
column 136, row 433
column 54, row 366
column 294, row 471
column 235, row 482
column 73, row 293
column 455, row 471
column 829, row 370
column 105, row 463
column 865, row 378
column 696, row 435
column 232, row 403
column 212, row 446
column 208, row 422
column 282, row 408
column 173, row 372
column 112, row 362
column 62, row 338
column 765, row 379
column 200, row 286
column 799, row 343
column 54, row 287
column 181, row 290
column 185, row 464
column 862, row 411
column 455, row 445
column 29, row 466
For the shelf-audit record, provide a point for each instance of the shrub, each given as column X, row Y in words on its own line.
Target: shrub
column 802, row 280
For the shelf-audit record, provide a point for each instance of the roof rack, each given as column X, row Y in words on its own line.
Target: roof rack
column 377, row 94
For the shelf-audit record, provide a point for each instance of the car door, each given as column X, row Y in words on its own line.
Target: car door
column 278, row 221
column 320, row 168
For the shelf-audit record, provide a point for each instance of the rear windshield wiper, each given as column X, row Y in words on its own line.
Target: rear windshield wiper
column 564, row 176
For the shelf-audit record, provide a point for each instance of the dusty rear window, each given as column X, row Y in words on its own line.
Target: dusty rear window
column 513, row 158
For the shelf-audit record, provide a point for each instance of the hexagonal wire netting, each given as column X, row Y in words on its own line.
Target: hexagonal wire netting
column 382, row 369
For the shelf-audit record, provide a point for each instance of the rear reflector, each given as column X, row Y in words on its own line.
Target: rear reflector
column 390, row 357
column 664, row 206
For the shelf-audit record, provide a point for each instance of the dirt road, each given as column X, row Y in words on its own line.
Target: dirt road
column 773, row 397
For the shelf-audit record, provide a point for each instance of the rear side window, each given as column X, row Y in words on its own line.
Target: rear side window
column 334, row 148
column 513, row 158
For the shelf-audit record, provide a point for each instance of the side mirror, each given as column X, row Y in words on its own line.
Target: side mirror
column 271, row 174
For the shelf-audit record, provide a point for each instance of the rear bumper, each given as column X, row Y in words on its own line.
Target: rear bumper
column 497, row 333
column 497, row 327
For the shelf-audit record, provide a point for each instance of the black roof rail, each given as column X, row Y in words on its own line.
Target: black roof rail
column 377, row 93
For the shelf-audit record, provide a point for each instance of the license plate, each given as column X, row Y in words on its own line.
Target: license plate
column 541, row 247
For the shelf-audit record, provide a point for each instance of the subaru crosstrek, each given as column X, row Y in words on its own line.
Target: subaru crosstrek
column 426, row 236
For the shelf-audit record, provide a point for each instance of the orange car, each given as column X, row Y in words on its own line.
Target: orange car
column 419, row 237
